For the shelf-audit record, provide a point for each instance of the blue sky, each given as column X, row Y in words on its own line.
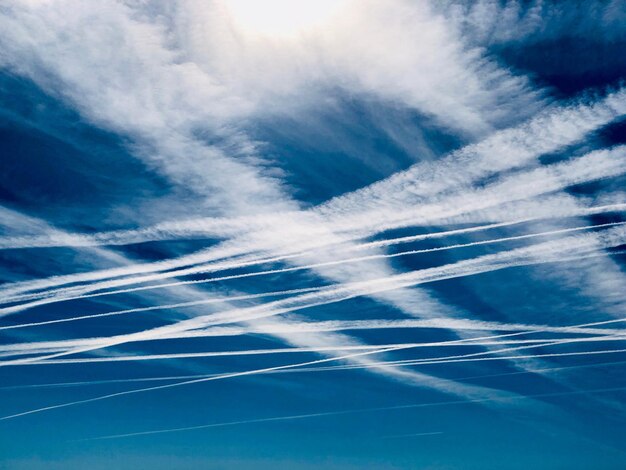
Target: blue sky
column 337, row 234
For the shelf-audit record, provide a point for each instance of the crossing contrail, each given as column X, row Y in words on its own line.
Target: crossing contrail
column 549, row 251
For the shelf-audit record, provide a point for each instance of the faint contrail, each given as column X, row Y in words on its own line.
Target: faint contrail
column 595, row 165
column 546, row 133
column 200, row 380
column 298, row 370
column 549, row 252
column 360, row 410
column 165, row 307
column 501, row 151
column 415, row 434
column 435, row 361
column 21, row 307
column 246, row 373
column 472, row 342
column 321, row 326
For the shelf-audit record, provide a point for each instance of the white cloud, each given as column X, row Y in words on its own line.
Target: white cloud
column 159, row 82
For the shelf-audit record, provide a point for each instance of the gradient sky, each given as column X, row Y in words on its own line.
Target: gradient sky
column 335, row 234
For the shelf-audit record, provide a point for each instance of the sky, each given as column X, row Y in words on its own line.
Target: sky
column 339, row 234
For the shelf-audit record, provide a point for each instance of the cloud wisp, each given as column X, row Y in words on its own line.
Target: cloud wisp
column 515, row 190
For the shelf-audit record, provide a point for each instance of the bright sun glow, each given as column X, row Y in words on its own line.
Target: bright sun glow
column 281, row 18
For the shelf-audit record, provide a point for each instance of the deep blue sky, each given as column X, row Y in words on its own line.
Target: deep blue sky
column 152, row 143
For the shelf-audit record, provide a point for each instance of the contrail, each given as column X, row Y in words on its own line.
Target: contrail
column 283, row 270
column 295, row 350
column 427, row 236
column 270, row 310
column 214, row 254
column 166, row 307
column 519, row 186
column 389, row 242
column 416, row 434
column 480, row 359
column 284, row 371
column 321, row 326
column 503, row 150
column 289, row 366
column 201, row 380
column 252, row 372
column 472, row 357
column 207, row 227
column 176, row 327
column 50, row 296
column 595, row 165
column 549, row 252
column 402, row 363
column 360, row 410
column 592, row 117
column 586, row 211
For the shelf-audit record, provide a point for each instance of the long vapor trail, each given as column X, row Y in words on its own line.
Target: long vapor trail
column 541, row 253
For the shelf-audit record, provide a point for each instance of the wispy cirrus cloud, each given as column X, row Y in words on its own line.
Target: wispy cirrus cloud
column 184, row 85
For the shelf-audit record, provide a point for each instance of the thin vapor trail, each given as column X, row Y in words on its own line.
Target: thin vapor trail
column 595, row 165
column 504, row 150
column 471, row 342
column 551, row 131
column 480, row 359
column 299, row 370
column 166, row 307
column 549, row 252
column 200, row 380
column 319, row 326
column 287, row 366
column 415, row 434
column 389, row 242
column 548, row 132
column 469, row 401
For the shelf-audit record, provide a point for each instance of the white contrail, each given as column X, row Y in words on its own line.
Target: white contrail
column 542, row 180
column 184, row 333
column 290, row 371
column 379, row 290
column 12, row 292
column 472, row 342
column 462, row 231
column 208, row 227
column 401, row 363
column 246, row 373
column 201, row 380
column 593, row 117
column 479, row 356
column 595, row 165
column 193, row 303
column 273, row 271
column 554, row 213
column 217, row 254
column 389, row 242
column 497, row 358
column 503, row 150
column 321, row 326
column 482, row 264
column 220, row 377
